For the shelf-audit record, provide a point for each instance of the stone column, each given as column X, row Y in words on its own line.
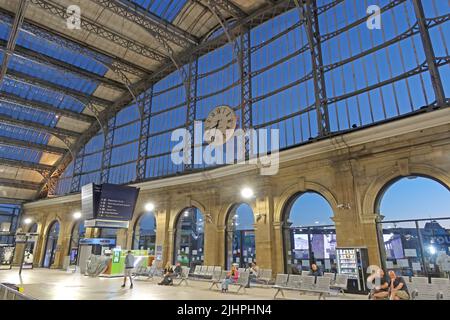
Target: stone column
column 210, row 244
column 371, row 238
column 264, row 232
column 61, row 245
column 122, row 239
column 162, row 216
column 278, row 263
column 220, row 248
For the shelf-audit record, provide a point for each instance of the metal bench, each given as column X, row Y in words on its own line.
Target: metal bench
column 218, row 278
column 242, row 281
column 183, row 276
column 426, row 292
column 322, row 287
column 330, row 275
column 280, row 284
column 196, row 272
column 265, row 276
column 341, row 283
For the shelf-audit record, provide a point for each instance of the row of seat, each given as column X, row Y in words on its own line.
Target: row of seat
column 420, row 288
column 323, row 286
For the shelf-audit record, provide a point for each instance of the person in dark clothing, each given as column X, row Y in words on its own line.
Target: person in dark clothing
column 168, row 274
column 398, row 289
column 315, row 271
column 381, row 289
column 177, row 271
column 129, row 266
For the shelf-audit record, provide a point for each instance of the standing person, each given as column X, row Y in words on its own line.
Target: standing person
column 129, row 265
column 231, row 277
column 397, row 289
column 315, row 271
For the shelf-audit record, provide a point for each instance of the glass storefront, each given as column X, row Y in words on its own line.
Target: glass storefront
column 309, row 235
column 417, row 247
column 51, row 245
column 414, row 234
column 189, row 238
column 144, row 233
column 311, row 245
column 240, row 237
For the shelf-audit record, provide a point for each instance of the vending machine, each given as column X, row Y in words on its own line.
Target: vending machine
column 354, row 263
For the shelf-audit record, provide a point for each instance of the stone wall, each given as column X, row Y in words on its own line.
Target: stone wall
column 350, row 171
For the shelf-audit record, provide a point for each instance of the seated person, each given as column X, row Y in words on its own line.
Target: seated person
column 168, row 274
column 295, row 270
column 397, row 288
column 381, row 289
column 178, row 270
column 231, row 277
column 315, row 271
column 254, row 270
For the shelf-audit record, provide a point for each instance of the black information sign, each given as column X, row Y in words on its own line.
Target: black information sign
column 108, row 202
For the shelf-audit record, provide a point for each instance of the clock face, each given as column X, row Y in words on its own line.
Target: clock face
column 221, row 120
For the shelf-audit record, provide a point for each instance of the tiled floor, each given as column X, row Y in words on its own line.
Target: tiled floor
column 61, row 285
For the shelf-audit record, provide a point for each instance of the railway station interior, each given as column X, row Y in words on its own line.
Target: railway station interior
column 236, row 149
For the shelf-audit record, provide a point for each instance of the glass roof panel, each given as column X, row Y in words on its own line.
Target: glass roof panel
column 53, row 49
column 166, row 9
column 35, row 93
column 22, row 154
column 53, row 75
column 27, row 114
column 25, row 134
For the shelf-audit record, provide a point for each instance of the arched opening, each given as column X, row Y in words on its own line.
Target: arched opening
column 240, row 245
column 78, row 232
column 189, row 238
column 144, row 233
column 309, row 233
column 51, row 244
column 414, row 234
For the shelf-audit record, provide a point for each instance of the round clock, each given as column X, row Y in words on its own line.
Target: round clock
column 221, row 120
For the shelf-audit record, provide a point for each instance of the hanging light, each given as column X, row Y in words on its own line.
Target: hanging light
column 27, row 221
column 77, row 215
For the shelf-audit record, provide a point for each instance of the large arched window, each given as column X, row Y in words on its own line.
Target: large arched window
column 144, row 233
column 78, row 232
column 240, row 236
column 309, row 233
column 414, row 234
column 51, row 244
column 189, row 236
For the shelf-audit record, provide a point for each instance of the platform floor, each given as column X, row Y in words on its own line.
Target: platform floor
column 61, row 285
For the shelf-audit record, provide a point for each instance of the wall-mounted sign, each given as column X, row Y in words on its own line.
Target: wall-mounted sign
column 97, row 241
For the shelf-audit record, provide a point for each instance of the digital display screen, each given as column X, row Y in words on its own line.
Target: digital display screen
column 108, row 202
